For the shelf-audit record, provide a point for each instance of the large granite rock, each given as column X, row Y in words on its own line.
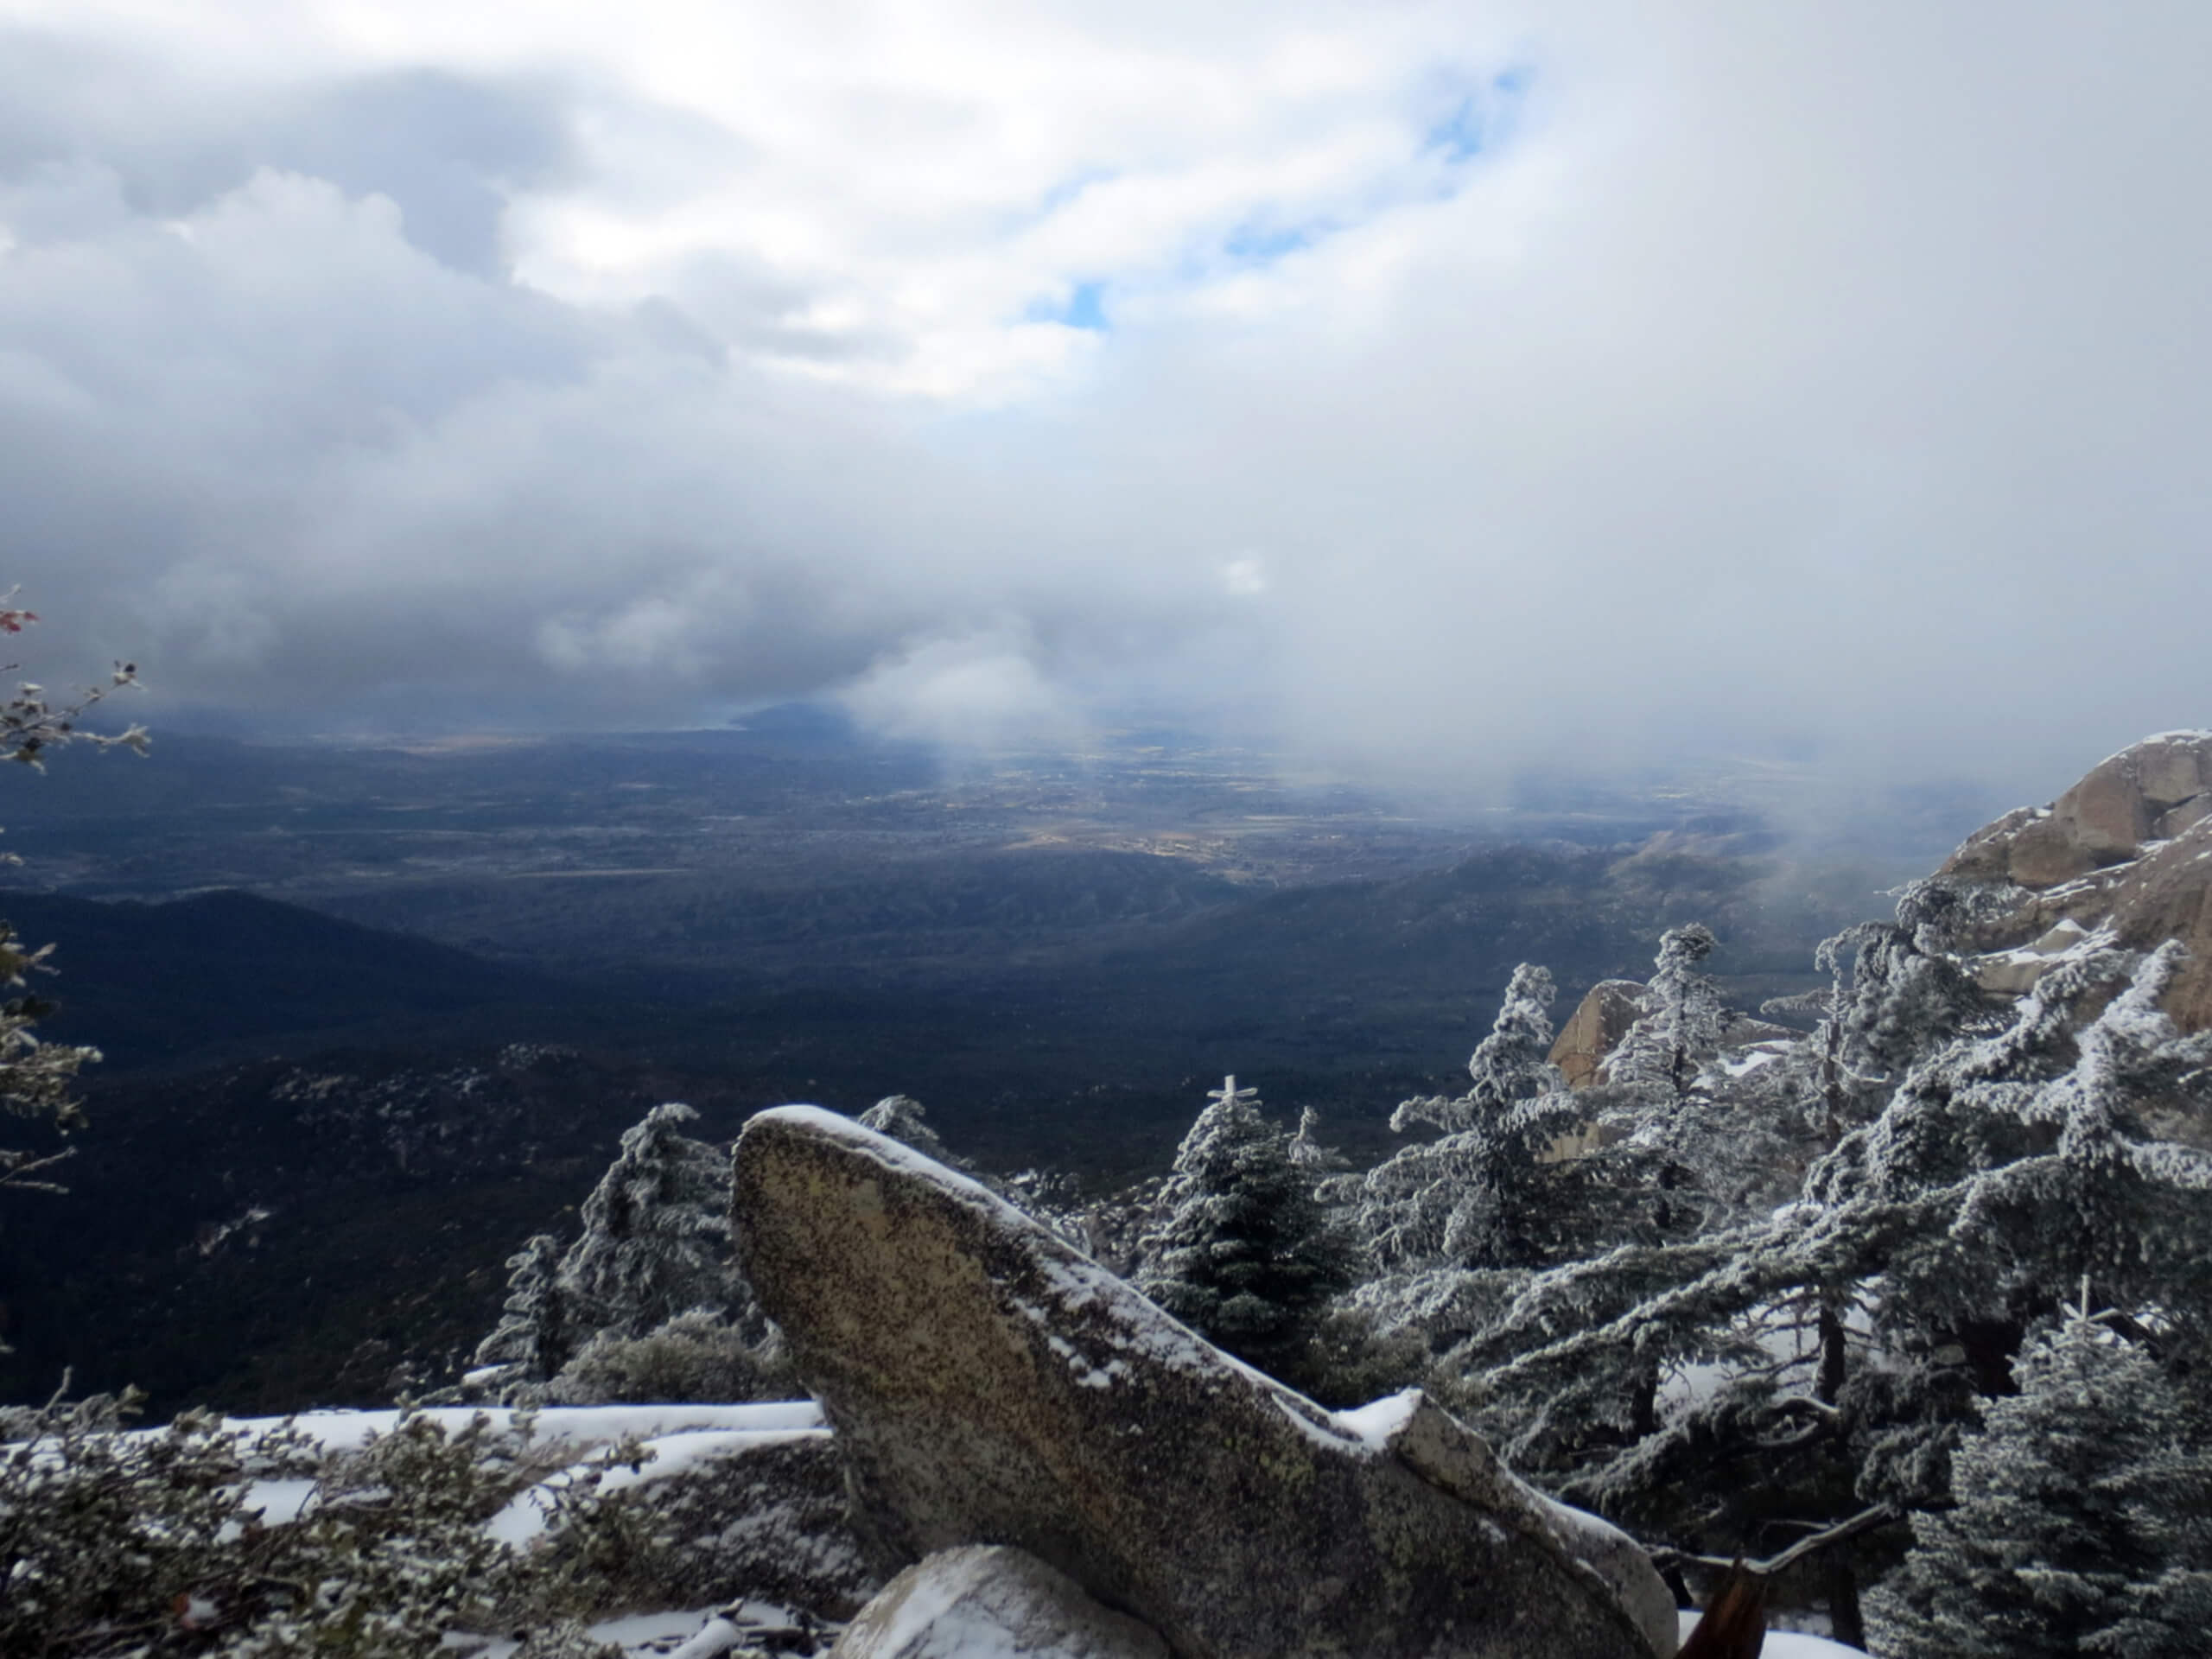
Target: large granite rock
column 2149, row 792
column 1595, row 1029
column 2125, row 856
column 990, row 1384
column 988, row 1599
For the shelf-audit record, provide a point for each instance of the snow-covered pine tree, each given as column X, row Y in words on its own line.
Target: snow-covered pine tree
column 1682, row 1018
column 2082, row 1524
column 2002, row 1169
column 1306, row 1149
column 1247, row 1255
column 656, row 1240
column 1514, row 1062
column 1487, row 1193
column 901, row 1117
column 1896, row 993
column 532, row 1339
column 2033, row 1159
column 656, row 1247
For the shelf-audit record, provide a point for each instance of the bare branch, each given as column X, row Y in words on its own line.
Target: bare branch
column 1865, row 1521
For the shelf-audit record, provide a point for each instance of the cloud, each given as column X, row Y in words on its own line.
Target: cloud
column 1455, row 386
column 983, row 690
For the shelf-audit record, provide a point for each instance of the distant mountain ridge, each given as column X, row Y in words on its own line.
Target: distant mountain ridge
column 164, row 982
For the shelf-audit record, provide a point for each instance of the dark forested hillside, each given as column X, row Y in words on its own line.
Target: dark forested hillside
column 1051, row 1006
column 163, row 984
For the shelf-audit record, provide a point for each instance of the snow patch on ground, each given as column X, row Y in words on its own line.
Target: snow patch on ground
column 1374, row 1424
column 566, row 1426
column 677, row 1437
column 1742, row 1062
column 667, row 1456
column 694, row 1633
column 1786, row 1644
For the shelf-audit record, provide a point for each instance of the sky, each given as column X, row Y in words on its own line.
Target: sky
column 1433, row 389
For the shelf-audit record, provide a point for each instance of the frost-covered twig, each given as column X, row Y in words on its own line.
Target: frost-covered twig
column 1867, row 1520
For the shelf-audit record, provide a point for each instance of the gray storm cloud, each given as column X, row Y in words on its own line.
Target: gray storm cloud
column 1841, row 379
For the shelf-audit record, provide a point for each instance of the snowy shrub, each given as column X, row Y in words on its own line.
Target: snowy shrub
column 388, row 1553
column 111, row 1540
column 37, row 1079
column 696, row 1356
column 250, row 1542
column 119, row 1543
column 656, row 1247
column 760, row 1522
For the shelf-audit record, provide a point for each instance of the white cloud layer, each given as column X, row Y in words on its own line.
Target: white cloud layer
column 1452, row 384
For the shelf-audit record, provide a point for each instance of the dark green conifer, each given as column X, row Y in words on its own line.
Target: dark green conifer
column 1247, row 1255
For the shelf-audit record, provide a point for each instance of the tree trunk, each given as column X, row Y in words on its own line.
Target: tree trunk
column 1834, row 1353
column 1844, row 1618
column 1643, row 1407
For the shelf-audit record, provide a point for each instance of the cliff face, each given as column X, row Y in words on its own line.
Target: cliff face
column 2124, row 855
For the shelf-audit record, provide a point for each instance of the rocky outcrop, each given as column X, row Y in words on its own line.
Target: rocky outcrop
column 2151, row 791
column 2124, row 856
column 989, row 1599
column 712, row 1514
column 1603, row 1018
column 990, row 1384
column 1595, row 1029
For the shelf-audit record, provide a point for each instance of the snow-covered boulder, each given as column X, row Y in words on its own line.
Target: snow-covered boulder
column 990, row 1383
column 986, row 1601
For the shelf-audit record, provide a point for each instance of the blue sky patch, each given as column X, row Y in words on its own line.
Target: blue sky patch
column 1481, row 120
column 1460, row 134
column 1084, row 308
column 1261, row 243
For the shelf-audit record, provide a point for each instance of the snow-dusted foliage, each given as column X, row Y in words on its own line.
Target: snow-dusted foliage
column 37, row 1079
column 2082, row 1520
column 1681, row 1022
column 902, row 1118
column 114, row 1543
column 1494, row 1190
column 1247, row 1255
column 2030, row 1153
column 698, row 1355
column 1788, row 1366
column 634, row 1303
column 656, row 1240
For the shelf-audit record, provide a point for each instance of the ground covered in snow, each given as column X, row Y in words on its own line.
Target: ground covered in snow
column 680, row 1436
